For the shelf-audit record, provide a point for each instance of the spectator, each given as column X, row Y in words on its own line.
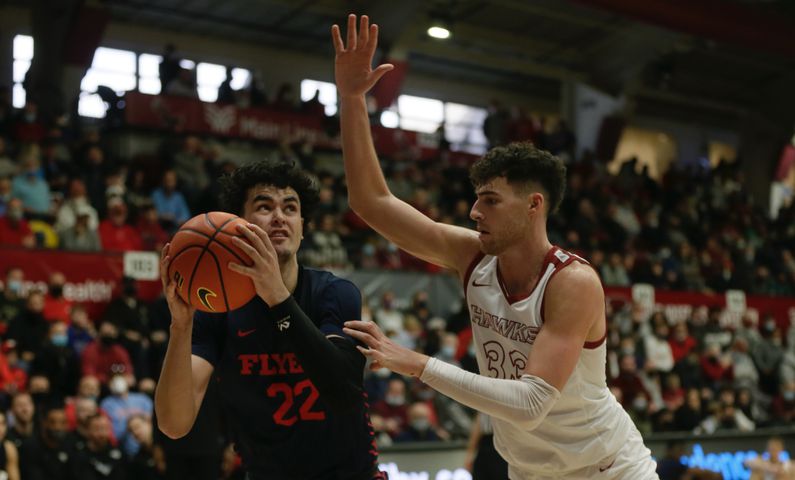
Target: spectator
column 153, row 236
column 58, row 362
column 285, row 98
column 716, row 366
column 104, row 357
column 81, row 330
column 10, row 466
column 613, row 273
column 30, row 187
column 172, row 209
column 681, row 342
column 95, row 169
column 22, row 432
column 659, row 357
column 629, row 382
column 184, row 85
column 114, row 232
column 29, row 328
column 120, row 405
column 743, row 368
column 52, row 452
column 169, row 67
column 784, row 404
column 76, row 203
column 191, row 172
column 81, row 237
column 420, row 428
column 147, row 463
column 689, row 416
column 14, row 229
column 392, row 409
column 326, row 249
column 225, row 92
column 28, row 126
column 768, row 356
column 387, row 316
column 495, row 126
column 98, row 459
column 5, row 192
column 131, row 318
column 56, row 307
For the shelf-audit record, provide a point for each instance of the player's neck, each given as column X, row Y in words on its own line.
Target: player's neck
column 520, row 265
column 289, row 270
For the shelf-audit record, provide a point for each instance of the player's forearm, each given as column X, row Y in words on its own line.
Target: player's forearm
column 174, row 402
column 524, row 402
column 336, row 372
column 365, row 179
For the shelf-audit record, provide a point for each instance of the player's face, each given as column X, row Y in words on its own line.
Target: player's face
column 278, row 212
column 501, row 216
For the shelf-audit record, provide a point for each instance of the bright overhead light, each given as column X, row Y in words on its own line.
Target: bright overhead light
column 439, row 32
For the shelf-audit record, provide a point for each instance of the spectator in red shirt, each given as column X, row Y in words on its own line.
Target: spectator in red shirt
column 717, row 367
column 681, row 342
column 629, row 382
column 14, row 229
column 56, row 306
column 393, row 408
column 153, row 235
column 114, row 232
column 104, row 357
column 28, row 127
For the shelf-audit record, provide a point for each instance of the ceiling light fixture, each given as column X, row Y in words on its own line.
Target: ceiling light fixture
column 439, row 30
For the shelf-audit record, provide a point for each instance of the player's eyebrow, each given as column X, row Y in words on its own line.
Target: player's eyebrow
column 262, row 197
column 486, row 192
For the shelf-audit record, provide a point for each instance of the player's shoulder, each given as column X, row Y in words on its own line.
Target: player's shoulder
column 576, row 278
column 324, row 282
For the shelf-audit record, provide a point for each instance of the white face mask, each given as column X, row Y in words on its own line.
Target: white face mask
column 118, row 386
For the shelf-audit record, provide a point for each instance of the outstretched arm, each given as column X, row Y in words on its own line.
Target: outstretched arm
column 528, row 399
column 445, row 245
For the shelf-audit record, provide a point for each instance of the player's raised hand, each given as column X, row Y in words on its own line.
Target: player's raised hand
column 353, row 61
column 383, row 352
column 181, row 311
column 265, row 271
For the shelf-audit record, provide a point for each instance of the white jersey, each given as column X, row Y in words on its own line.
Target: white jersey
column 586, row 427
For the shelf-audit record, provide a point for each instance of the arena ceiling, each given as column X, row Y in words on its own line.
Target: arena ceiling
column 717, row 58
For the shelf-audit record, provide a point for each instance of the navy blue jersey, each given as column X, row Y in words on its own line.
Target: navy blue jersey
column 282, row 427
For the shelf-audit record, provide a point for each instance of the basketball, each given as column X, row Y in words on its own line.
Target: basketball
column 200, row 252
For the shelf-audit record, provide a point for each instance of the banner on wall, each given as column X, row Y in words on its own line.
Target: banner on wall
column 162, row 112
column 92, row 279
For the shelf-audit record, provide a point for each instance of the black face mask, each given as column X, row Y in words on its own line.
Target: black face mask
column 57, row 435
column 56, row 291
column 107, row 340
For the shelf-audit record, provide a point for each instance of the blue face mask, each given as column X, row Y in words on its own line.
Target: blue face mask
column 59, row 340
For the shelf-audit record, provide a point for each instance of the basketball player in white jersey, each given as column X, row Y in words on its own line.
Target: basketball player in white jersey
column 538, row 312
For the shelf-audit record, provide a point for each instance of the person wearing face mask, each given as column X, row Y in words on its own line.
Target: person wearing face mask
column 56, row 306
column 14, row 228
column 98, row 459
column 393, row 407
column 132, row 318
column 104, row 357
column 120, row 405
column 420, row 427
column 53, row 451
column 784, row 403
column 58, row 362
column 30, row 186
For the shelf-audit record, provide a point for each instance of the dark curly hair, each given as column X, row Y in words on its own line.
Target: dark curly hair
column 521, row 163
column 235, row 185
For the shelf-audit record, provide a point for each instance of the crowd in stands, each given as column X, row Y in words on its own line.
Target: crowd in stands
column 67, row 378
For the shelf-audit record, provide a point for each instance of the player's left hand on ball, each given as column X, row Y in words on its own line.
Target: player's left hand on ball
column 264, row 271
column 383, row 352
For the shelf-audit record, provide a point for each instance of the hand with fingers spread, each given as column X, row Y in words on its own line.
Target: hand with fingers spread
column 383, row 352
column 353, row 62
column 181, row 311
column 264, row 270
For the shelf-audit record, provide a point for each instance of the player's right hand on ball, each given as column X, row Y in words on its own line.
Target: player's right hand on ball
column 181, row 312
column 353, row 62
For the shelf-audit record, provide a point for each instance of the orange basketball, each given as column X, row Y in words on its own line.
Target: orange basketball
column 200, row 252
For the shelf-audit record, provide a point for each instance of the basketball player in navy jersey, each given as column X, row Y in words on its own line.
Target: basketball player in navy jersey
column 290, row 379
column 537, row 311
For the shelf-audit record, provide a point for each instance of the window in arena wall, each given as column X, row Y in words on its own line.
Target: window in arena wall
column 654, row 149
column 23, row 54
column 463, row 128
column 209, row 77
column 149, row 73
column 112, row 68
column 420, row 114
column 328, row 94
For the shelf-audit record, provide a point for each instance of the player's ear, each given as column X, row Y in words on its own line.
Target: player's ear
column 535, row 203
